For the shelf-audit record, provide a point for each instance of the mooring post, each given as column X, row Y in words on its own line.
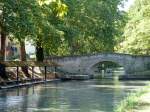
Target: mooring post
column 55, row 71
column 45, row 68
column 32, row 73
column 17, row 75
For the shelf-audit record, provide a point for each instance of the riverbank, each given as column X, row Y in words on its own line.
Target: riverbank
column 28, row 84
column 136, row 102
column 36, row 77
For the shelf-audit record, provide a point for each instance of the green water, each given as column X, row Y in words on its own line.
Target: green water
column 71, row 96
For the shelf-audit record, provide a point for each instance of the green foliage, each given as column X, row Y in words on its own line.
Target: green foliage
column 88, row 27
column 49, row 35
column 137, row 31
column 64, row 27
column 17, row 18
column 91, row 25
column 33, row 20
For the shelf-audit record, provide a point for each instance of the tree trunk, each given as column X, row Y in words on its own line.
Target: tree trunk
column 3, row 45
column 23, row 58
column 39, row 51
column 22, row 51
column 2, row 56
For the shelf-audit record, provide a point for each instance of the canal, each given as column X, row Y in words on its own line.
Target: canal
column 70, row 96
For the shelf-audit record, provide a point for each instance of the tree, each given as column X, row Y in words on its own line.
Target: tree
column 18, row 22
column 91, row 20
column 88, row 27
column 33, row 20
column 49, row 36
column 2, row 31
column 137, row 31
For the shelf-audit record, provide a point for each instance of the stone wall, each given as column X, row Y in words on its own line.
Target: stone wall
column 84, row 64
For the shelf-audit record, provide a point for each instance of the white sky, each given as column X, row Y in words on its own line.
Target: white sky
column 31, row 49
column 127, row 5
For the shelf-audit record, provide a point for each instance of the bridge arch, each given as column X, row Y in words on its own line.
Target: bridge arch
column 120, row 61
column 102, row 61
column 106, row 68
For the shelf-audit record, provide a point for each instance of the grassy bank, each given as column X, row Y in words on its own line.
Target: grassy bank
column 132, row 101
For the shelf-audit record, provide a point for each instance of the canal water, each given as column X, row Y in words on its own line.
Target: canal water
column 70, row 96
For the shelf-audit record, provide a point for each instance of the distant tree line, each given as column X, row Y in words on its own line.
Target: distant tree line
column 136, row 36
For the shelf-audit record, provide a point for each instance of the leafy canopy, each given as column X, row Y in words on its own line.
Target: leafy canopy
column 137, row 31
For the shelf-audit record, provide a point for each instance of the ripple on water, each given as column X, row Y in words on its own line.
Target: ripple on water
column 73, row 96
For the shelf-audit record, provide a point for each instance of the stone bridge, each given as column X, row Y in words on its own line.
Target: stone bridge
column 84, row 64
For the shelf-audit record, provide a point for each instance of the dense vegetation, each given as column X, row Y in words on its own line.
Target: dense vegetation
column 137, row 30
column 29, row 20
column 90, row 26
column 61, row 27
column 75, row 27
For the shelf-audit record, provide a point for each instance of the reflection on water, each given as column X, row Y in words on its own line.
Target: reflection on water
column 73, row 96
